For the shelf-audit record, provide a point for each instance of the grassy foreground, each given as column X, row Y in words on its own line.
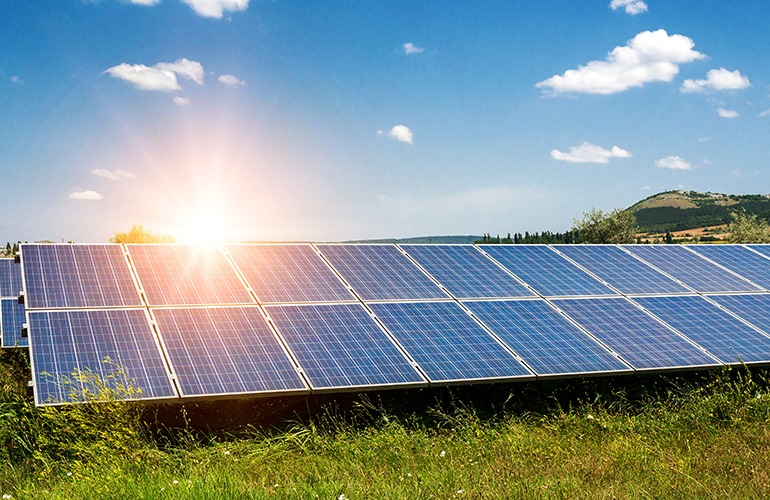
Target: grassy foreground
column 682, row 438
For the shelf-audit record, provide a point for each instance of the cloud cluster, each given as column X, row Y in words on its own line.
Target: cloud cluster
column 673, row 163
column 589, row 153
column 85, row 196
column 632, row 7
column 717, row 79
column 727, row 113
column 161, row 77
column 231, row 81
column 401, row 133
column 650, row 56
column 206, row 8
column 114, row 175
column 410, row 48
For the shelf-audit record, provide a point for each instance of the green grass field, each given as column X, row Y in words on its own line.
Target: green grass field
column 700, row 435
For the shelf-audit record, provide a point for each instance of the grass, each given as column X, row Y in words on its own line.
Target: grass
column 702, row 435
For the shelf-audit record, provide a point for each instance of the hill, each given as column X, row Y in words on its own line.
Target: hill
column 425, row 239
column 682, row 210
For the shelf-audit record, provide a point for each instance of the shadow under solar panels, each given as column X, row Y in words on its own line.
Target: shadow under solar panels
column 739, row 259
column 447, row 344
column 548, row 342
column 13, row 318
column 547, row 272
column 225, row 351
column 725, row 337
column 637, row 337
column 115, row 346
column 340, row 346
column 10, row 278
column 465, row 272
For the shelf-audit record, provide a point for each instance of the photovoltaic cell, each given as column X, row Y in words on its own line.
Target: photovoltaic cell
column 633, row 334
column 690, row 269
column 720, row 333
column 753, row 308
column 340, row 346
column 114, row 346
column 13, row 318
column 740, row 260
column 545, row 339
column 622, row 271
column 77, row 276
column 218, row 351
column 288, row 273
column 10, row 278
column 763, row 249
column 466, row 272
column 380, row 272
column 187, row 275
column 547, row 272
column 447, row 344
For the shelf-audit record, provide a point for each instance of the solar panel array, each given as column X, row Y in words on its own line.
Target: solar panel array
column 11, row 312
column 162, row 322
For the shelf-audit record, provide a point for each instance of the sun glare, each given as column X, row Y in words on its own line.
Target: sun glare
column 204, row 228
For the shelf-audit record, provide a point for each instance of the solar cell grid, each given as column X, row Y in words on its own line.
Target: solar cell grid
column 187, row 275
column 547, row 272
column 466, row 272
column 10, row 278
column 547, row 341
column 116, row 346
column 288, row 273
column 447, row 344
column 690, row 268
column 380, row 272
column 753, row 308
column 218, row 351
column 724, row 336
column 77, row 276
column 13, row 318
column 622, row 271
column 340, row 346
column 738, row 259
column 633, row 334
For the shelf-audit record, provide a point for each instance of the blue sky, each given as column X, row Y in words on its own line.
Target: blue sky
column 337, row 120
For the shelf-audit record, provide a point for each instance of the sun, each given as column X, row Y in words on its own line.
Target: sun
column 206, row 227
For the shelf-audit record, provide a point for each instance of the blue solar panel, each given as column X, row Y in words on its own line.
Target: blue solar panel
column 447, row 343
column 10, row 278
column 547, row 272
column 69, row 276
column 690, row 268
column 288, row 273
column 753, row 308
column 380, row 272
column 724, row 336
column 740, row 260
column 763, row 249
column 340, row 346
column 13, row 318
column 187, row 275
column 633, row 334
column 466, row 272
column 545, row 339
column 622, row 271
column 218, row 351
column 117, row 346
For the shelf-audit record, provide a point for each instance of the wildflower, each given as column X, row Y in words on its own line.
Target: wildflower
column 69, row 474
column 590, row 417
column 6, row 496
column 442, row 454
column 409, row 474
column 174, row 482
column 341, row 497
column 227, row 452
column 460, row 491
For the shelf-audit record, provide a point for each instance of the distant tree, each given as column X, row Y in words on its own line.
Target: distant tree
column 748, row 228
column 618, row 226
column 669, row 238
column 138, row 234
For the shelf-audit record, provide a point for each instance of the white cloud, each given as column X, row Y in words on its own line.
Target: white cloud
column 632, row 7
column 410, row 48
column 16, row 79
column 717, row 79
column 400, row 133
column 589, row 153
column 215, row 8
column 650, row 56
column 231, row 81
column 85, row 196
column 765, row 112
column 673, row 163
column 115, row 175
column 145, row 2
column 181, row 101
column 727, row 113
column 161, row 77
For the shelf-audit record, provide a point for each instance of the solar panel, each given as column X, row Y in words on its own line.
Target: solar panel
column 640, row 340
column 288, row 273
column 622, row 271
column 219, row 351
column 740, row 260
column 447, row 344
column 114, row 346
column 340, row 346
column 466, row 272
column 380, row 272
column 74, row 276
column 763, row 249
column 13, row 318
column 547, row 272
column 724, row 336
column 690, row 269
column 754, row 308
column 10, row 278
column 187, row 275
